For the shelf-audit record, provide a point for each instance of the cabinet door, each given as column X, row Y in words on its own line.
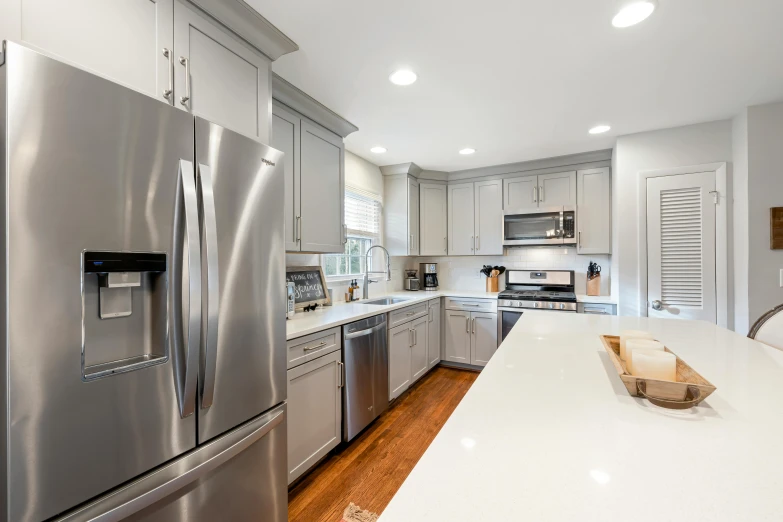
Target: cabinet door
column 219, row 77
column 432, row 220
column 555, row 190
column 489, row 218
column 419, row 355
column 520, row 193
column 322, row 190
column 314, row 412
column 123, row 40
column 400, row 342
column 484, row 337
column 460, row 222
column 593, row 211
column 285, row 138
column 458, row 336
column 413, row 217
column 433, row 333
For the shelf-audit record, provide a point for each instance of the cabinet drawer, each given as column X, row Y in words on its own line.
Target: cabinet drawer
column 472, row 305
column 406, row 314
column 595, row 308
column 309, row 347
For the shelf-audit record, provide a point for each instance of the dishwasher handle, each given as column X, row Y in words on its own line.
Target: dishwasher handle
column 362, row 333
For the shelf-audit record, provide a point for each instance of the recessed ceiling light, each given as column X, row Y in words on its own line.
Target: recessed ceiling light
column 378, row 150
column 467, row 151
column 633, row 13
column 403, row 77
column 599, row 129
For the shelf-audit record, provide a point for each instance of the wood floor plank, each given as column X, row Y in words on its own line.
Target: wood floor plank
column 370, row 469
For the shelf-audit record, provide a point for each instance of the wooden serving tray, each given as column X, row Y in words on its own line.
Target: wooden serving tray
column 690, row 388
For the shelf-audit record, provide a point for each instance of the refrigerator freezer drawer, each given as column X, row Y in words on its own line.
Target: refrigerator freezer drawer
column 237, row 477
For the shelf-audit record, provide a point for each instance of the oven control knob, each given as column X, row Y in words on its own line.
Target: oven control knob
column 562, row 306
column 551, row 306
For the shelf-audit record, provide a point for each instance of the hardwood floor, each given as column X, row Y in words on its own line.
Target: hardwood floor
column 372, row 467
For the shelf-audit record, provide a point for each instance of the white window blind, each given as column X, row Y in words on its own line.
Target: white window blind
column 362, row 215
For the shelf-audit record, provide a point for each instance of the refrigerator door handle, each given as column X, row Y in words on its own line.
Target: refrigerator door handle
column 185, row 350
column 211, row 303
column 166, row 481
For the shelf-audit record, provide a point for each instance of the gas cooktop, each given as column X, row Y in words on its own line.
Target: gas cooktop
column 538, row 295
column 546, row 290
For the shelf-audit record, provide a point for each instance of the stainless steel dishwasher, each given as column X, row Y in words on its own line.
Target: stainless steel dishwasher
column 366, row 358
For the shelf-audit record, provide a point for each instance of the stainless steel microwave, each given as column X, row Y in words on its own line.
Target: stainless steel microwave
column 539, row 226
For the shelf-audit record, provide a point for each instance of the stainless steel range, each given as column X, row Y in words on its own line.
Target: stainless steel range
column 550, row 290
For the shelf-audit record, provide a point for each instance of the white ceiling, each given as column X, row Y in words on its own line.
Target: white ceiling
column 525, row 79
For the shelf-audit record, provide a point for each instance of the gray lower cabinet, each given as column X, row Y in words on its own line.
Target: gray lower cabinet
column 596, row 308
column 433, row 333
column 314, row 168
column 408, row 357
column 400, row 342
column 471, row 337
column 314, row 412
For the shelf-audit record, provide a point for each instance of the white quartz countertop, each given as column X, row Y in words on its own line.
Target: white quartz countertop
column 549, row 433
column 305, row 323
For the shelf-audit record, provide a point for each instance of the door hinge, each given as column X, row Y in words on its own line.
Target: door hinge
column 715, row 196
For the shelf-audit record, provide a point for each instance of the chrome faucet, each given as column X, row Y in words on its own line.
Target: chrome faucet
column 367, row 272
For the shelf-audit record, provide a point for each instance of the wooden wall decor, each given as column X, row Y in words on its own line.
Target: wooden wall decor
column 776, row 228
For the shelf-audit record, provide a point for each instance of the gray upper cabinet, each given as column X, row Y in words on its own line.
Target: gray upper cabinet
column 123, row 41
column 460, row 222
column 314, row 182
column 401, row 215
column 520, row 193
column 556, row 190
column 219, row 77
column 488, row 212
column 286, row 135
column 594, row 211
column 432, row 218
column 322, row 191
column 545, row 190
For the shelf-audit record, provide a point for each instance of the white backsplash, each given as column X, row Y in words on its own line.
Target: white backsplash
column 462, row 272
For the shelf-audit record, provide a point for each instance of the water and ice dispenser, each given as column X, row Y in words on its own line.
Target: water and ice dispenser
column 125, row 312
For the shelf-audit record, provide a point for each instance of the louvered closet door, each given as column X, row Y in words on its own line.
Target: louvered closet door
column 681, row 247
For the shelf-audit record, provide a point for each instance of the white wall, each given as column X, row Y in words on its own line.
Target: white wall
column 765, row 190
column 739, row 243
column 462, row 272
column 635, row 153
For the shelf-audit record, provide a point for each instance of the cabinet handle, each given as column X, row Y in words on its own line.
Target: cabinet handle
column 340, row 373
column 474, row 325
column 167, row 92
column 595, row 311
column 535, row 199
column 579, row 241
column 446, row 244
column 298, row 228
column 472, row 242
column 478, row 244
column 429, row 314
column 320, row 345
column 410, row 314
column 541, row 193
column 467, row 324
column 345, row 234
column 184, row 99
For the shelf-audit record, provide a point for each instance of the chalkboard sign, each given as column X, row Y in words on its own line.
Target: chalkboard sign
column 309, row 285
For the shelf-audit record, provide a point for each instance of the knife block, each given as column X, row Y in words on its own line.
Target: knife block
column 594, row 286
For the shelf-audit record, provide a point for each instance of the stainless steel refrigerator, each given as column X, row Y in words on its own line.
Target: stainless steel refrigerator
column 143, row 327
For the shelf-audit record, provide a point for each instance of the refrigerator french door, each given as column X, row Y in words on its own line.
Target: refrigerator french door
column 144, row 366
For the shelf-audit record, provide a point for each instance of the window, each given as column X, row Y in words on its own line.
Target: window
column 363, row 221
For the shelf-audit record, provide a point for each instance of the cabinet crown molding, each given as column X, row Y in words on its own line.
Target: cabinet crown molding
column 248, row 23
column 401, row 168
column 295, row 98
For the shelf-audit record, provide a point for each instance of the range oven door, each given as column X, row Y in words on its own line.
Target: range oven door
column 507, row 318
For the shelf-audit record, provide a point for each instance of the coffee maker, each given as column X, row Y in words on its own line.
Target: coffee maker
column 428, row 274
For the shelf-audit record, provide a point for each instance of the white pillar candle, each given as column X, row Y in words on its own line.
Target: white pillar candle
column 631, row 334
column 637, row 344
column 654, row 364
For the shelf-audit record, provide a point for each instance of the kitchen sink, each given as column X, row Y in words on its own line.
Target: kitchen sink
column 386, row 301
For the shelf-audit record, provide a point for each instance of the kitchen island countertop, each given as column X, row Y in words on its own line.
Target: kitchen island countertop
column 549, row 433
